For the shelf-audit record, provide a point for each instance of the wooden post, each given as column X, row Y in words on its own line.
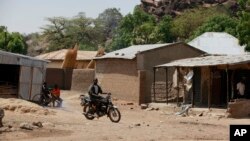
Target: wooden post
column 154, row 85
column 193, row 85
column 211, row 87
column 166, row 84
column 227, row 86
column 178, row 89
column 232, row 84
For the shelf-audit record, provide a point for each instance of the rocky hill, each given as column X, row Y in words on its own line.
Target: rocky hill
column 160, row 8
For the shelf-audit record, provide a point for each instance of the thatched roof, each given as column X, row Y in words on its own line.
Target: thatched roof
column 212, row 60
column 60, row 55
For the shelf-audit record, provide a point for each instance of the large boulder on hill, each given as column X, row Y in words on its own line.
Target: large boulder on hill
column 160, row 8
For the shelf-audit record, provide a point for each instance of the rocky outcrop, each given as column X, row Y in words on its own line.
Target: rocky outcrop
column 175, row 7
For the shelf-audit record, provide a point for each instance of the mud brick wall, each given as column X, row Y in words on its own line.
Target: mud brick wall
column 61, row 77
column 239, row 108
column 82, row 79
column 120, row 77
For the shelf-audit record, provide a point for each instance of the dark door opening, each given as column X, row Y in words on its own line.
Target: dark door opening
column 237, row 77
column 9, row 80
column 219, row 90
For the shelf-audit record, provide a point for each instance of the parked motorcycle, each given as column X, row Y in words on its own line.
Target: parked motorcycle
column 106, row 107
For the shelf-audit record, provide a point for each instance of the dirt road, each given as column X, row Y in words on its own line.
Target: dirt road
column 68, row 124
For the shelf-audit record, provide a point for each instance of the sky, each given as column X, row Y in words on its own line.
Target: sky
column 27, row 16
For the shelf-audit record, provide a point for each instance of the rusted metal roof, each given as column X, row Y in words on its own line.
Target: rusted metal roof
column 60, row 55
column 213, row 60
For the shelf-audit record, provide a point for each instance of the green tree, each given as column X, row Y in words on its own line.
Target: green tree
column 64, row 33
column 243, row 27
column 55, row 33
column 12, row 42
column 108, row 20
column 221, row 23
column 190, row 20
column 4, row 37
column 142, row 28
column 85, row 31
column 136, row 28
column 163, row 30
column 17, row 43
column 144, row 34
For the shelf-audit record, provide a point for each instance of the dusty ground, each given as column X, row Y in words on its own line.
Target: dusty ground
column 68, row 124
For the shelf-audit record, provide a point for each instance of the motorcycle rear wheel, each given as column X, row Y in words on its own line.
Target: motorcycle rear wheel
column 114, row 115
column 87, row 109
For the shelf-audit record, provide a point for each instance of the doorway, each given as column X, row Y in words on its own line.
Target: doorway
column 9, row 80
column 238, row 74
column 219, row 89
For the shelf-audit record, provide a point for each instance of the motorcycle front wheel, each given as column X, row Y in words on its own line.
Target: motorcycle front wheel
column 88, row 112
column 114, row 115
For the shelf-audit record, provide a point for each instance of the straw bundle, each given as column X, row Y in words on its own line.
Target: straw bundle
column 70, row 58
column 99, row 53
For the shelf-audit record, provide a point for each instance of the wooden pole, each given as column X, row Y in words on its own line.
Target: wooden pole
column 166, row 84
column 193, row 85
column 227, row 86
column 154, row 85
column 232, row 84
column 211, row 87
column 178, row 90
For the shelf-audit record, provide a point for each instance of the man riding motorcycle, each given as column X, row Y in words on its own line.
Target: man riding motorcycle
column 94, row 91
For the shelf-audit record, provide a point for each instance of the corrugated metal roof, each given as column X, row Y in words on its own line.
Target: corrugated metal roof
column 19, row 59
column 209, row 61
column 60, row 55
column 130, row 52
column 218, row 43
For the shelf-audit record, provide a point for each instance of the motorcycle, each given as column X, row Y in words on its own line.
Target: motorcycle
column 106, row 107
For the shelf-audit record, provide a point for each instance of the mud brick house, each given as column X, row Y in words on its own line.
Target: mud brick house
column 214, row 81
column 55, row 74
column 56, row 58
column 128, row 73
column 20, row 76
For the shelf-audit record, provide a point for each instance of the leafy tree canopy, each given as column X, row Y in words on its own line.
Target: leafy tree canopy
column 141, row 28
column 12, row 42
column 108, row 20
column 90, row 33
column 243, row 27
column 185, row 24
column 220, row 23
